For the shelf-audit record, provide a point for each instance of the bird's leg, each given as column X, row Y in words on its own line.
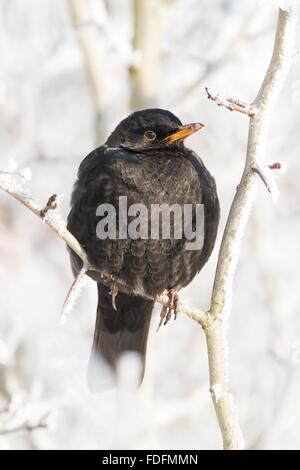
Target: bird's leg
column 175, row 303
column 163, row 314
column 166, row 311
column 114, row 292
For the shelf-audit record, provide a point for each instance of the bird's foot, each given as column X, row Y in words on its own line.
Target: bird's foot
column 114, row 292
column 166, row 311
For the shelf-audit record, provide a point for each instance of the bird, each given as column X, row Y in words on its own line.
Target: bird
column 146, row 161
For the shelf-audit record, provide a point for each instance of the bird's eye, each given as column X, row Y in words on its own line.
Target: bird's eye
column 150, row 135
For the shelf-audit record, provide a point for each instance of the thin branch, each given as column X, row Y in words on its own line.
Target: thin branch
column 232, row 104
column 195, row 314
column 27, row 427
column 51, row 205
column 73, row 293
column 238, row 216
column 258, row 170
column 55, row 222
column 92, row 48
column 146, row 43
column 267, row 178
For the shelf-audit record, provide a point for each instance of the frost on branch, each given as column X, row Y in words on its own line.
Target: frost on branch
column 216, row 392
column 282, row 4
column 73, row 294
column 268, row 177
column 24, row 411
column 13, row 178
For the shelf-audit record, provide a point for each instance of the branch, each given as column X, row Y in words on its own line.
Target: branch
column 236, row 222
column 231, row 103
column 92, row 47
column 143, row 72
column 54, row 221
column 42, row 424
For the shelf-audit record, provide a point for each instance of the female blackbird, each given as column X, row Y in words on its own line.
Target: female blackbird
column 146, row 161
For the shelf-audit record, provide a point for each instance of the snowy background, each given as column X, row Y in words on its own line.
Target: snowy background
column 67, row 76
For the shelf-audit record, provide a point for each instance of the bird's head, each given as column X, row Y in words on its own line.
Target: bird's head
column 151, row 129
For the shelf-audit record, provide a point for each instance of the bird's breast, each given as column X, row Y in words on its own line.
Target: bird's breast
column 167, row 178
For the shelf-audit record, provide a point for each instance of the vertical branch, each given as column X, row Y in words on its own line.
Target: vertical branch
column 258, row 130
column 236, row 222
column 223, row 401
column 92, row 49
column 146, row 45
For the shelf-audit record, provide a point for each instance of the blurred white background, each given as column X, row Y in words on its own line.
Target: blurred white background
column 69, row 71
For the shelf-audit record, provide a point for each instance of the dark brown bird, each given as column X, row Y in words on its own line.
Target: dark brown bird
column 146, row 161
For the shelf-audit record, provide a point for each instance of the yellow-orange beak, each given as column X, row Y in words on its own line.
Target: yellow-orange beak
column 183, row 131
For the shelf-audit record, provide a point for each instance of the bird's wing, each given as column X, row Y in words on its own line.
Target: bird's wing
column 210, row 201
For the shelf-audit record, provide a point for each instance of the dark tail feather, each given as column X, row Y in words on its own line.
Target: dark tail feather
column 116, row 332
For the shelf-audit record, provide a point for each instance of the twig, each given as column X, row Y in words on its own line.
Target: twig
column 236, row 222
column 73, row 293
column 52, row 204
column 258, row 170
column 57, row 224
column 26, row 427
column 195, row 314
column 232, row 104
column 265, row 175
column 12, row 173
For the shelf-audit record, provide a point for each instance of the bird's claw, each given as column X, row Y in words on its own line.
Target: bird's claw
column 166, row 311
column 114, row 292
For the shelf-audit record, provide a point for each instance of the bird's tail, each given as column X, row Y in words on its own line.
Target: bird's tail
column 117, row 331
